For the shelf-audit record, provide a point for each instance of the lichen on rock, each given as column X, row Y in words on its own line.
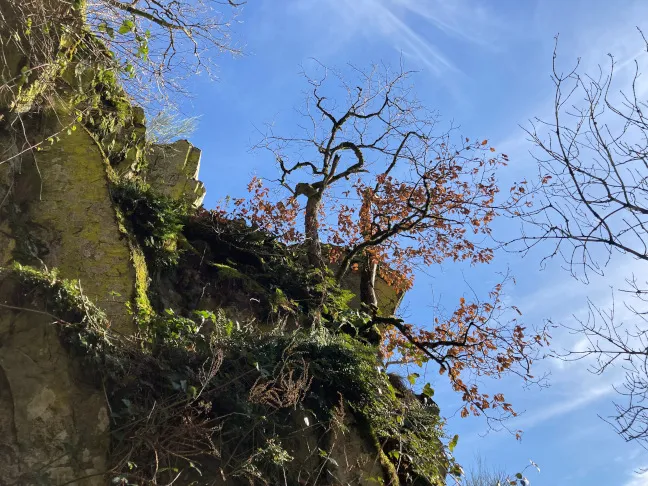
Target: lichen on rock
column 60, row 214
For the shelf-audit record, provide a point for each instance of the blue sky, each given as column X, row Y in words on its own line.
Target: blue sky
column 485, row 66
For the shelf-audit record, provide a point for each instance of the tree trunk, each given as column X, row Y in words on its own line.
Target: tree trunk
column 313, row 245
column 311, row 221
column 368, row 297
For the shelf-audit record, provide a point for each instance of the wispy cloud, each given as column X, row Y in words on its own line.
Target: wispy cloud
column 463, row 19
column 575, row 402
column 420, row 30
column 588, row 41
column 405, row 38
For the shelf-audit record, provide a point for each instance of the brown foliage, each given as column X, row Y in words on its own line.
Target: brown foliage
column 386, row 191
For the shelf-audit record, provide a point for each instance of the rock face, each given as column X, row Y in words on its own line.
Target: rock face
column 53, row 426
column 173, row 171
column 58, row 213
column 388, row 297
column 350, row 458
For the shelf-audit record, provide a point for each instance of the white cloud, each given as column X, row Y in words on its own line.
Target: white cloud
column 407, row 39
column 465, row 20
column 559, row 296
column 564, row 300
column 637, row 479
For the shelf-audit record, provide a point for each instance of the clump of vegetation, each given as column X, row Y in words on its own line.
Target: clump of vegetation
column 156, row 221
column 258, row 263
column 68, row 69
column 224, row 257
column 83, row 327
column 205, row 394
column 238, row 397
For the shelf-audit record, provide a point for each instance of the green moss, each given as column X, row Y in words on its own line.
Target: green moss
column 341, row 367
column 34, row 86
column 29, row 91
column 84, row 80
column 82, row 326
column 281, row 303
column 227, row 273
column 143, row 309
column 279, row 269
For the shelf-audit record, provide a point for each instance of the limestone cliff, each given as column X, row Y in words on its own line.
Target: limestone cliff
column 146, row 340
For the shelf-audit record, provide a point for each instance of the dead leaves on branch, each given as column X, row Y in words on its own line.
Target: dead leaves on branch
column 394, row 193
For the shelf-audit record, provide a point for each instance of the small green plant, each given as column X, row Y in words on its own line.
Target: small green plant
column 156, row 221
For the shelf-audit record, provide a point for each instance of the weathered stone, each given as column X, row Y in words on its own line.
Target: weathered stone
column 58, row 212
column 54, row 428
column 389, row 298
column 350, row 457
column 173, row 171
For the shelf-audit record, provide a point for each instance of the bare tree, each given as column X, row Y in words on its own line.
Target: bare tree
column 161, row 42
column 613, row 342
column 168, row 125
column 592, row 203
column 482, row 475
column 377, row 120
column 593, row 170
